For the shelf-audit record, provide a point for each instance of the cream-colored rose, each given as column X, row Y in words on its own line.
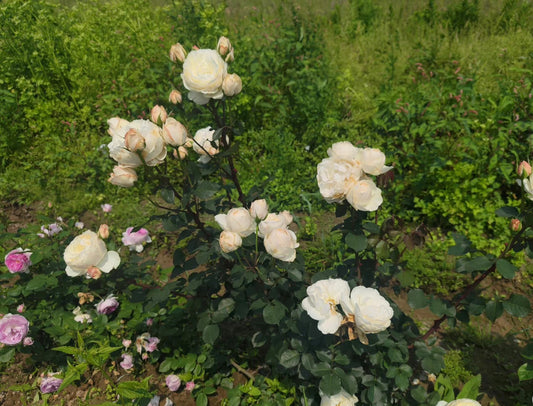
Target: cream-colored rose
column 344, row 150
column 259, row 209
column 123, row 176
column 174, row 133
column 203, row 74
column 155, row 150
column 158, row 113
column 118, row 150
column 342, row 398
column 134, row 141
column 371, row 311
column 272, row 222
column 224, row 46
column 203, row 143
column 281, row 244
column 335, row 178
column 459, row 402
column 116, row 124
column 232, row 84
column 373, row 161
column 177, row 53
column 174, row 97
column 527, row 184
column 88, row 250
column 237, row 220
column 229, row 241
column 364, row 196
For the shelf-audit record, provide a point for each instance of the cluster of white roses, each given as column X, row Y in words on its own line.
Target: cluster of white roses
column 279, row 241
column 344, row 175
column 205, row 74
column 365, row 310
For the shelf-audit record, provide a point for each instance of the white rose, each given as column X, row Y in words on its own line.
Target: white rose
column 155, row 150
column 119, row 152
column 229, row 241
column 203, row 142
column 232, row 85
column 342, row 398
column 281, row 244
column 238, row 220
column 462, row 402
column 134, row 141
column 371, row 311
column 344, row 150
column 373, row 161
column 322, row 300
column 335, row 177
column 364, row 195
column 123, row 176
column 527, row 184
column 259, row 209
column 272, row 222
column 88, row 250
column 174, row 133
column 203, row 74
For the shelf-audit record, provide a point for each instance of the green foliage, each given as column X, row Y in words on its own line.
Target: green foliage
column 455, row 369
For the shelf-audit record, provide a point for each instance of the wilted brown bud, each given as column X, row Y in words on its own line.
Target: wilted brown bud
column 174, row 97
column 177, row 53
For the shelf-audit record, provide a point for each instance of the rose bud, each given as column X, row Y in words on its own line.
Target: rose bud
column 224, row 46
column 122, row 176
column 174, row 133
column 177, row 53
column 103, row 231
column 524, row 169
column 158, row 114
column 133, row 140
column 174, row 97
column 232, row 84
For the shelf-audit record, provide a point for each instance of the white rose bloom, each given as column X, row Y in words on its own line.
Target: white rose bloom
column 459, row 402
column 527, row 184
column 155, row 150
column 88, row 250
column 373, row 161
column 123, row 176
column 116, row 124
column 364, row 195
column 272, row 222
column 119, row 152
column 229, row 241
column 238, row 220
column 259, row 209
column 281, row 244
column 322, row 300
column 345, row 151
column 203, row 74
column 203, row 142
column 174, row 133
column 342, row 398
column 335, row 177
column 371, row 311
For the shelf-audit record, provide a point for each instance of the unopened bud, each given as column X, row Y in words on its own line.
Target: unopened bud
column 224, row 46
column 174, row 133
column 174, row 97
column 524, row 169
column 232, row 84
column 182, row 152
column 516, row 225
column 259, row 209
column 177, row 53
column 158, row 113
column 189, row 143
column 432, row 378
column 103, row 231
column 230, row 57
column 94, row 272
column 133, row 140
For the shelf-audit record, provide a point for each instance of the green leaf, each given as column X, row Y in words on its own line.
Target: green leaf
column 167, row 195
column 357, row 242
column 205, row 189
column 517, row 306
column 508, row 211
column 258, row 339
column 493, row 310
column 527, row 352
column 273, row 313
column 210, row 333
column 525, row 372
column 133, row 389
column 201, row 399
column 67, row 350
column 289, row 358
column 437, row 306
column 225, row 307
column 371, row 227
column 462, row 245
column 471, row 388
column 8, row 355
column 475, row 264
column 417, row 299
column 330, row 384
column 348, row 381
column 506, row 269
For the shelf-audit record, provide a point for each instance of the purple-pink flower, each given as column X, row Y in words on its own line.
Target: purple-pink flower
column 135, row 240
column 52, row 229
column 13, row 329
column 27, row 341
column 190, row 386
column 127, row 361
column 151, row 344
column 50, row 384
column 173, row 382
column 18, row 260
column 108, row 305
column 106, row 207
column 20, row 308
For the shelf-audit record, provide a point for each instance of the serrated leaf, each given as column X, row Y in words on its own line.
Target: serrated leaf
column 506, row 269
column 493, row 310
column 330, row 384
column 357, row 242
column 289, row 358
column 133, row 390
column 167, row 195
column 210, row 333
column 517, row 305
column 471, row 388
column 273, row 313
column 417, row 299
column 508, row 212
column 205, row 189
column 462, row 245
column 8, row 355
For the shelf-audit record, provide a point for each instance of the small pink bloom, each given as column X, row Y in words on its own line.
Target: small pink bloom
column 135, row 240
column 108, row 305
column 13, row 329
column 27, row 341
column 50, row 384
column 524, row 169
column 190, row 386
column 20, row 308
column 18, row 260
column 151, row 344
column 127, row 361
column 149, row 322
column 516, row 225
column 106, row 208
column 173, row 382
column 93, row 272
column 103, row 231
column 144, row 356
column 126, row 343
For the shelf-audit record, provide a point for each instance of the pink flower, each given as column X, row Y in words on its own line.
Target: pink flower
column 52, row 230
column 149, row 322
column 27, row 341
column 151, row 344
column 50, row 384
column 127, row 361
column 173, row 382
column 135, row 240
column 190, row 386
column 108, row 305
column 126, row 343
column 20, row 308
column 18, row 260
column 13, row 329
column 106, row 207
